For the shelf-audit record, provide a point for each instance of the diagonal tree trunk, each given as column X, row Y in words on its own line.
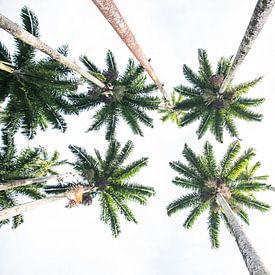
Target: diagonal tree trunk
column 9, row 184
column 257, row 21
column 29, row 39
column 110, row 11
column 22, row 208
column 253, row 262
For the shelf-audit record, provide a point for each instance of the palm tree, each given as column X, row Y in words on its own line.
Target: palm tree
column 36, row 92
column 110, row 11
column 29, row 164
column 256, row 23
column 108, row 179
column 124, row 95
column 221, row 189
column 203, row 102
column 30, row 39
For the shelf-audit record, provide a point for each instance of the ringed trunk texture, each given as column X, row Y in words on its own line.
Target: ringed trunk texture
column 22, row 208
column 257, row 21
column 253, row 262
column 23, row 182
column 110, row 11
column 33, row 41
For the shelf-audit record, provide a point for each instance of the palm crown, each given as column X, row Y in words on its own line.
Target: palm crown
column 125, row 95
column 35, row 91
column 110, row 182
column 30, row 163
column 215, row 111
column 232, row 178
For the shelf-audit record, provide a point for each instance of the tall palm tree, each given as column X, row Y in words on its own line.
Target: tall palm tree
column 110, row 11
column 256, row 23
column 221, row 188
column 108, row 179
column 127, row 96
column 36, row 92
column 29, row 164
column 203, row 102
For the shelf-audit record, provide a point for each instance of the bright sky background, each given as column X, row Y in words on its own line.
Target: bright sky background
column 58, row 241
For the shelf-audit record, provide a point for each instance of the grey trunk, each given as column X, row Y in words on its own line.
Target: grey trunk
column 110, row 11
column 22, row 208
column 29, row 39
column 257, row 21
column 253, row 262
column 23, row 182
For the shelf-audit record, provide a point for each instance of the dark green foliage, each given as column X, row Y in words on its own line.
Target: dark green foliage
column 109, row 178
column 203, row 102
column 233, row 178
column 125, row 96
column 30, row 163
column 35, row 92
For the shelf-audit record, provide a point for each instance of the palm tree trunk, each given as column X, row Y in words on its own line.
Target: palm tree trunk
column 23, row 182
column 253, row 262
column 257, row 21
column 29, row 39
column 22, row 208
column 110, row 11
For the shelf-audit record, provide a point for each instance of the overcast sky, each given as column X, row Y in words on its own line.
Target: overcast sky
column 58, row 241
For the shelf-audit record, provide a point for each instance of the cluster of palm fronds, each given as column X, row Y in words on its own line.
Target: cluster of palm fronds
column 35, row 93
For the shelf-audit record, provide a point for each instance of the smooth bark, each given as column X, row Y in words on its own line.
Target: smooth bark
column 23, row 182
column 22, row 208
column 33, row 41
column 257, row 21
column 253, row 262
column 110, row 11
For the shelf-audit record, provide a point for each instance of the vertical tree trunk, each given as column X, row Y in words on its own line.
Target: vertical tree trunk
column 253, row 262
column 9, row 184
column 29, row 39
column 257, row 21
column 22, row 208
column 110, row 11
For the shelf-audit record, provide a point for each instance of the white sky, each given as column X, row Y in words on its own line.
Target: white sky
column 58, row 241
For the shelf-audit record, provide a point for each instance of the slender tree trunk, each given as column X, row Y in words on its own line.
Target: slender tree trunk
column 253, row 262
column 257, row 21
column 110, row 11
column 23, row 182
column 22, row 208
column 29, row 39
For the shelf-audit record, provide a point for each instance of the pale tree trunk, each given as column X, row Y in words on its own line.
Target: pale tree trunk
column 33, row 41
column 253, row 262
column 9, row 184
column 22, row 208
column 110, row 11
column 257, row 21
